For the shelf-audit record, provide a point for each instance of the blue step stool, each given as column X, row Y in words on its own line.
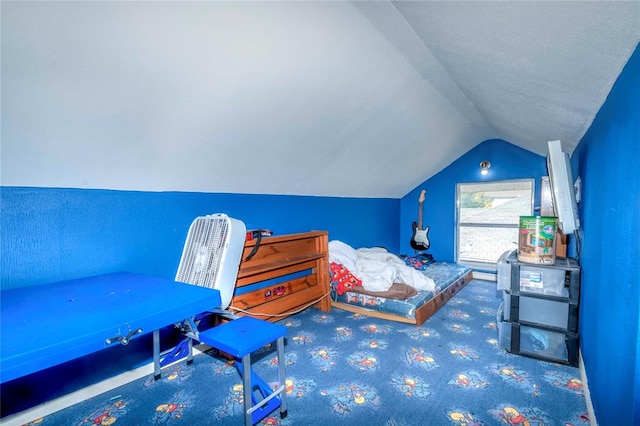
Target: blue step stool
column 240, row 338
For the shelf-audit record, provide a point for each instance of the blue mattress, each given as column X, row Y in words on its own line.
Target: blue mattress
column 443, row 274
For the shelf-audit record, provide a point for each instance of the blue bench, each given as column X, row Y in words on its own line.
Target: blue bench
column 239, row 338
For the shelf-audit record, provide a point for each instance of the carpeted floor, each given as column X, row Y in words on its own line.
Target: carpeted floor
column 351, row 369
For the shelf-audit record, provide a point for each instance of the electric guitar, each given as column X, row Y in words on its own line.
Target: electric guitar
column 420, row 238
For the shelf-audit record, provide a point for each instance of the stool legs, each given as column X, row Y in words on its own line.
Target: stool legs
column 256, row 410
column 240, row 338
column 246, row 387
column 283, row 383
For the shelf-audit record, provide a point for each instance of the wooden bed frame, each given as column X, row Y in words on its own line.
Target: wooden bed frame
column 422, row 313
column 287, row 274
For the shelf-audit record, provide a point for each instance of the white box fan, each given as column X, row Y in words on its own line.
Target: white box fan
column 212, row 253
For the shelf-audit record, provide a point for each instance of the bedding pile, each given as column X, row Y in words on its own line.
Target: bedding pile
column 375, row 268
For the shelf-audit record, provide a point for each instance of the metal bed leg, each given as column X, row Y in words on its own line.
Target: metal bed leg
column 190, row 353
column 156, row 355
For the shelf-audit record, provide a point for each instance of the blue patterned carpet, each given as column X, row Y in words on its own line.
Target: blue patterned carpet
column 351, row 369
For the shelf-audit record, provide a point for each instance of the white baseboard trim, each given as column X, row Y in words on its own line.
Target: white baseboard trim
column 487, row 276
column 585, row 390
column 83, row 394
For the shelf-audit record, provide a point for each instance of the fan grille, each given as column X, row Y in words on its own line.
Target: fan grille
column 204, row 252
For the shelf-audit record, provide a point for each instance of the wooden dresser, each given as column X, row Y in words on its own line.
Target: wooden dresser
column 287, row 274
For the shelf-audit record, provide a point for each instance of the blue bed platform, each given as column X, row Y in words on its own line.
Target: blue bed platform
column 46, row 325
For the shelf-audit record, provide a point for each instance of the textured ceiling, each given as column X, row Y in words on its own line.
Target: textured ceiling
column 355, row 99
column 535, row 71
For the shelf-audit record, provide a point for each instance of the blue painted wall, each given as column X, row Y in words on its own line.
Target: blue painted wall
column 439, row 211
column 608, row 160
column 49, row 234
column 55, row 234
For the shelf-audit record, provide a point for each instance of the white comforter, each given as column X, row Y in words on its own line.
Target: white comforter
column 377, row 268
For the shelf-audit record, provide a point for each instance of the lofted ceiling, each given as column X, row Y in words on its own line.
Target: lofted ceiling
column 350, row 99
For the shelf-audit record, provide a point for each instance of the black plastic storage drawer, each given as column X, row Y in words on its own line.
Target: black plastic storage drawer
column 538, row 311
column 539, row 343
column 560, row 280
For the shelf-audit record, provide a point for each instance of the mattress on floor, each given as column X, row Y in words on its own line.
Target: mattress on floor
column 443, row 274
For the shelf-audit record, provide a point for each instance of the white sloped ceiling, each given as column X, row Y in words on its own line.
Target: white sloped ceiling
column 354, row 99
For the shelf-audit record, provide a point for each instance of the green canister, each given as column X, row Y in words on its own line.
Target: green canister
column 537, row 240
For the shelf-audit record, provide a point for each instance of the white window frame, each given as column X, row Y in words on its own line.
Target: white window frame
column 486, row 265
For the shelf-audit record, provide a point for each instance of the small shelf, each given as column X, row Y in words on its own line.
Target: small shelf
column 276, row 265
column 286, row 274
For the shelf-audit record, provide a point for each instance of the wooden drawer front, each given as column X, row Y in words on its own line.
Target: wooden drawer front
column 270, row 251
column 256, row 275
column 286, row 274
column 274, row 292
column 278, row 309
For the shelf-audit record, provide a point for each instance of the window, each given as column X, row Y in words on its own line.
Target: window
column 488, row 216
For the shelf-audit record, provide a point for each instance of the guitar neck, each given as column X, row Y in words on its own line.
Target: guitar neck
column 419, row 215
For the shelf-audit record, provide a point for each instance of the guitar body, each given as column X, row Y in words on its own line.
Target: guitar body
column 420, row 238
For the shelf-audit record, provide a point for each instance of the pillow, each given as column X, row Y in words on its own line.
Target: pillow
column 399, row 291
column 344, row 279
